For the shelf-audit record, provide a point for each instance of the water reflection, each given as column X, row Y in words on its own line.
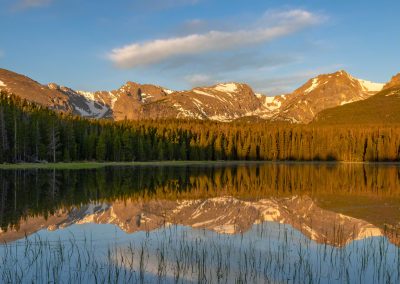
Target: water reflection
column 252, row 223
column 268, row 252
column 329, row 203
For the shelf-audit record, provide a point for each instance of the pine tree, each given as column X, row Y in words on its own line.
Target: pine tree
column 54, row 143
column 101, row 148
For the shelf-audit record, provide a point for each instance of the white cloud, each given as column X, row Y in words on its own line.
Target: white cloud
column 271, row 26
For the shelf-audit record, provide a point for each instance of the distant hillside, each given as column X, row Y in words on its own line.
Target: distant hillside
column 382, row 108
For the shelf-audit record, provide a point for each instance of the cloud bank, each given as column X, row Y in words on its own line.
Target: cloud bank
column 271, row 26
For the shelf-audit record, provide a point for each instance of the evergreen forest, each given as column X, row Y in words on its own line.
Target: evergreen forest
column 32, row 133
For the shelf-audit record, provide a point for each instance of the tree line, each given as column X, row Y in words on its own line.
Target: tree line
column 32, row 133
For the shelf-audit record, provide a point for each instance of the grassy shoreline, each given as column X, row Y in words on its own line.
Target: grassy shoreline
column 96, row 165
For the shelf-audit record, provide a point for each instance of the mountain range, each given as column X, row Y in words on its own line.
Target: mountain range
column 223, row 102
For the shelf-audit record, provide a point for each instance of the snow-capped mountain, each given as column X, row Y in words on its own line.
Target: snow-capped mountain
column 222, row 102
column 319, row 93
column 382, row 108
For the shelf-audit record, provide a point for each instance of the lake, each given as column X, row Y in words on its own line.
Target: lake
column 217, row 223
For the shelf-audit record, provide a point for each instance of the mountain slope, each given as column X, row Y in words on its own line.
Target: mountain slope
column 122, row 103
column 322, row 92
column 31, row 90
column 382, row 108
column 395, row 81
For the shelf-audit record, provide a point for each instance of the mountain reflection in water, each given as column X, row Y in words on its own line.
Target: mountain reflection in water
column 243, row 223
column 329, row 203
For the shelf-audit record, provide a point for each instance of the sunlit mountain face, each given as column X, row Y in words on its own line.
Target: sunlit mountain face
column 223, row 102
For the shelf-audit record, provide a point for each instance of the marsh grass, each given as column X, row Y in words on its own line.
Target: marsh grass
column 270, row 252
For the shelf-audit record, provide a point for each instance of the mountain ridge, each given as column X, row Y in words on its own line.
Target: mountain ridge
column 223, row 102
column 382, row 108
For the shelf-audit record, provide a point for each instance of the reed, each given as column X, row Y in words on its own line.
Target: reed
column 174, row 254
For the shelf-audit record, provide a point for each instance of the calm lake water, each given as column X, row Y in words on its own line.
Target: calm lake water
column 246, row 223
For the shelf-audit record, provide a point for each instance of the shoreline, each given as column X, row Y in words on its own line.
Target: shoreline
column 96, row 165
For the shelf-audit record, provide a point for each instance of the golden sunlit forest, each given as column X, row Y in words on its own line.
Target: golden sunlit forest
column 31, row 133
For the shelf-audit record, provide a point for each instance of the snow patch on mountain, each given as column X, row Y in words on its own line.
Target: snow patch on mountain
column 366, row 85
column 271, row 103
column 226, row 88
column 114, row 98
column 167, row 91
column 314, row 84
column 184, row 113
column 95, row 108
column 145, row 97
column 269, row 100
column 199, row 106
column 2, row 84
column 371, row 86
column 87, row 95
column 203, row 93
column 221, row 117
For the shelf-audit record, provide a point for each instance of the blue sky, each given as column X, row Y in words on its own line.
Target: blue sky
column 275, row 46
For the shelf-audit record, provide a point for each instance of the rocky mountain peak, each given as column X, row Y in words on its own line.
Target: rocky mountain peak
column 342, row 72
column 319, row 93
column 143, row 90
column 53, row 86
